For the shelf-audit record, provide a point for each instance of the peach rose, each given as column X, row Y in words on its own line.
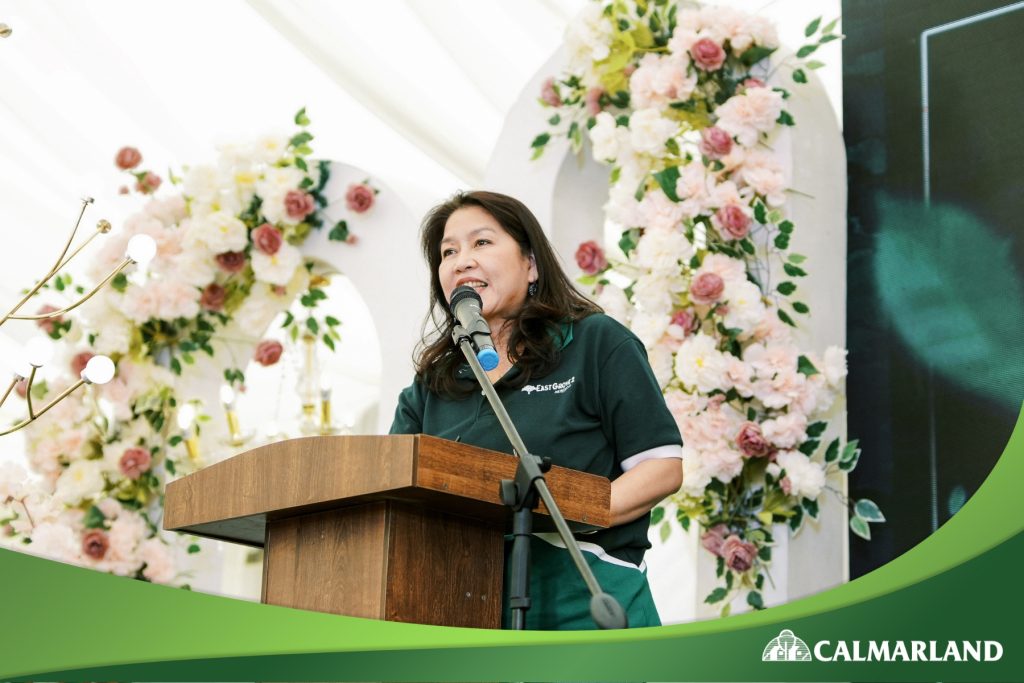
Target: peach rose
column 79, row 361
column 267, row 239
column 549, row 95
column 95, row 543
column 713, row 538
column 231, row 261
column 213, row 297
column 706, row 288
column 590, row 258
column 148, row 183
column 128, row 158
column 751, row 441
column 268, row 352
column 360, row 197
column 715, row 143
column 593, row 101
column 733, row 220
column 48, row 325
column 299, row 204
column 707, row 54
column 739, row 555
column 134, row 461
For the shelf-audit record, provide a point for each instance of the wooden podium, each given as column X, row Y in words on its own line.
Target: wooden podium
column 404, row 528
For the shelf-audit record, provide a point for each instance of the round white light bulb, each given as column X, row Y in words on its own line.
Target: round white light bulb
column 99, row 370
column 39, row 351
column 227, row 395
column 186, row 416
column 141, row 249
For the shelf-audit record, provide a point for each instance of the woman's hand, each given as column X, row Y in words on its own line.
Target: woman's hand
column 643, row 487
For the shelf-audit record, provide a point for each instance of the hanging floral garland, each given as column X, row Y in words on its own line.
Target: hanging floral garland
column 227, row 254
column 676, row 99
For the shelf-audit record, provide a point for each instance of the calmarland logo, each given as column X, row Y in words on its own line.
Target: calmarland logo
column 556, row 387
column 786, row 647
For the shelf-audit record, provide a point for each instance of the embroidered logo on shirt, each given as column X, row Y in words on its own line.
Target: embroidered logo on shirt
column 557, row 387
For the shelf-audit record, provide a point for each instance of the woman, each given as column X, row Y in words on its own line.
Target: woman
column 576, row 384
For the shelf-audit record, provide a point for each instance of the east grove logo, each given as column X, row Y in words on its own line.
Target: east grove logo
column 557, row 387
column 787, row 647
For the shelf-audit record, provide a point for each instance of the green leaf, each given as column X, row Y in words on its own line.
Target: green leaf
column 786, row 227
column 300, row 118
column 339, row 233
column 727, row 610
column 555, row 120
column 666, row 530
column 797, row 258
column 540, row 140
column 786, row 288
column 328, row 342
column 868, row 510
column 657, row 514
column 806, row 50
column 683, row 519
column 805, row 367
column 793, row 271
column 628, row 241
column 797, row 520
column 332, row 321
column 765, row 553
column 754, row 54
column 306, row 182
column 849, row 464
column 673, row 147
column 174, row 440
column 760, row 213
column 850, row 450
column 312, row 325
column 801, row 307
column 814, row 64
column 811, row 506
column 193, row 548
column 782, row 241
column 300, row 139
column 716, row 595
column 799, row 76
column 832, row 452
column 120, row 282
column 784, row 317
column 786, row 119
column 667, row 180
column 93, row 518
column 816, row 429
column 859, row 526
column 830, row 26
column 175, row 366
column 812, row 27
column 747, row 246
column 808, row 447
column 828, row 39
column 754, row 600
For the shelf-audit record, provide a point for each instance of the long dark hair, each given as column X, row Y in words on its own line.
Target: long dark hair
column 534, row 338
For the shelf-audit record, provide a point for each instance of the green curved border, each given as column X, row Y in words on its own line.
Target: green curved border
column 66, row 622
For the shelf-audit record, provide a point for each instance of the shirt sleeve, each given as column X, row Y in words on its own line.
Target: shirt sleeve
column 633, row 409
column 409, row 413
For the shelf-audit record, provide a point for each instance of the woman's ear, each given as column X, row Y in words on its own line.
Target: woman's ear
column 533, row 268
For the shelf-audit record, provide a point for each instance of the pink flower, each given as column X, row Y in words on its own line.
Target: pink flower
column 549, row 95
column 751, row 441
column 267, row 239
column 299, row 204
column 123, row 190
column 733, row 220
column 148, row 183
column 268, row 352
column 590, row 258
column 786, row 485
column 739, row 555
column 22, row 388
column 48, row 325
column 715, row 143
column 352, row 239
column 360, row 197
column 685, row 319
column 95, row 543
column 593, row 101
column 231, row 261
column 706, row 288
column 753, row 83
column 128, row 158
column 713, row 538
column 79, row 361
column 134, row 462
column 213, row 297
column 707, row 54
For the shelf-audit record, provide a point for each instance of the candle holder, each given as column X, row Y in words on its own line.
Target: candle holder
column 235, row 435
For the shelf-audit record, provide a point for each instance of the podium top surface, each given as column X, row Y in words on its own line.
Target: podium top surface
column 232, row 500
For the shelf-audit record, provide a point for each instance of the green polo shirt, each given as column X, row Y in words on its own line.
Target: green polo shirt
column 599, row 407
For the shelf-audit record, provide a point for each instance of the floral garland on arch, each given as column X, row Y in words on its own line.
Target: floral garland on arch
column 227, row 254
column 674, row 97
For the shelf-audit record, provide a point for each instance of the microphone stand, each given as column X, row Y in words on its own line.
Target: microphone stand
column 521, row 495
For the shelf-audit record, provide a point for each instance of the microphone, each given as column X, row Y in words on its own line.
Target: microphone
column 465, row 306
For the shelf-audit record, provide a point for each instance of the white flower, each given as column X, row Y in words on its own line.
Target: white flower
column 218, row 231
column 700, row 365
column 607, row 137
column 660, row 80
column 694, row 187
column 696, row 477
column 649, row 131
column 169, row 211
column 82, row 479
column 745, row 308
column 661, row 251
column 275, row 184
column 195, row 267
column 834, row 365
column 786, row 431
column 614, row 302
column 652, row 294
column 55, row 541
column 747, row 115
column 269, row 148
column 660, row 357
column 113, row 330
column 587, row 37
column 202, row 184
column 159, row 563
column 277, row 269
column 732, row 271
column 660, row 213
column 649, row 327
column 806, row 477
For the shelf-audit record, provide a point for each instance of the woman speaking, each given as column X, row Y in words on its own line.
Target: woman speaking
column 575, row 382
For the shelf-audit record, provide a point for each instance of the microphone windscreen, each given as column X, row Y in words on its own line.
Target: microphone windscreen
column 464, row 292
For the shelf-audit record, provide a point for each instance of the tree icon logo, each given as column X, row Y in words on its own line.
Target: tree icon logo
column 786, row 648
